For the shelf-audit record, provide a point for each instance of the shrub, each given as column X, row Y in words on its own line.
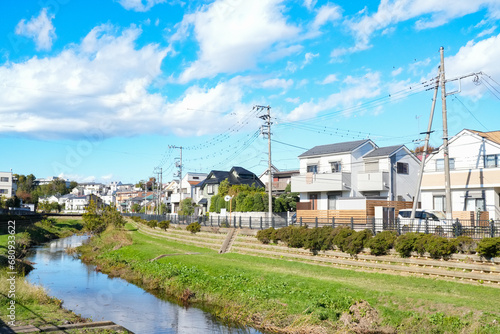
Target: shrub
column 283, row 234
column 298, row 236
column 440, row 247
column 152, row 223
column 194, row 227
column 405, row 244
column 265, row 236
column 355, row 243
column 319, row 239
column 465, row 244
column 489, row 247
column 382, row 242
column 422, row 243
column 23, row 241
column 340, row 235
column 164, row 224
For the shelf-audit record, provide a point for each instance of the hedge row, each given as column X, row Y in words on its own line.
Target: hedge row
column 353, row 242
column 164, row 224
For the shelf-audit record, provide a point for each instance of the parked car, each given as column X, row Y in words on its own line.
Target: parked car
column 425, row 221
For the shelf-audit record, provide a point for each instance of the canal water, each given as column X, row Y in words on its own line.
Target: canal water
column 94, row 295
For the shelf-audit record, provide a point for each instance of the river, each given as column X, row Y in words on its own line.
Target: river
column 95, row 295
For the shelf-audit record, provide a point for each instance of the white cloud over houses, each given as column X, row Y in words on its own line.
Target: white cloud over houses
column 390, row 12
column 355, row 90
column 233, row 35
column 99, row 85
column 40, row 29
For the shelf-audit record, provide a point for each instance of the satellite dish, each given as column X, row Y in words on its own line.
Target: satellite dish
column 227, row 198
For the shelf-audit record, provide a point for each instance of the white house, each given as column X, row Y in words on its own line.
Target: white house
column 329, row 174
column 7, row 186
column 474, row 175
column 189, row 189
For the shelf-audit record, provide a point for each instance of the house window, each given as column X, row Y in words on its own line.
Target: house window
column 210, row 189
column 440, row 164
column 4, row 191
column 336, row 166
column 196, row 177
column 332, row 200
column 472, row 204
column 312, row 169
column 439, row 203
column 4, row 179
column 491, row 160
column 402, row 167
column 371, row 166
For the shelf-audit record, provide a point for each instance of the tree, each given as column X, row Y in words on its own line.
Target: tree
column 419, row 151
column 54, row 206
column 92, row 219
column 187, row 207
column 224, row 188
column 111, row 216
column 13, row 202
column 136, row 207
column 258, row 203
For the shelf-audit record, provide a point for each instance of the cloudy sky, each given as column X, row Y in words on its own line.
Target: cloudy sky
column 103, row 90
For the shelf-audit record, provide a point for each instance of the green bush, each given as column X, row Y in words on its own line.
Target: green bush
column 265, row 236
column 422, row 243
column 340, row 235
column 319, row 239
column 489, row 247
column 23, row 242
column 194, row 227
column 283, row 234
column 152, row 223
column 298, row 236
column 382, row 242
column 440, row 247
column 405, row 244
column 355, row 243
column 465, row 245
column 164, row 224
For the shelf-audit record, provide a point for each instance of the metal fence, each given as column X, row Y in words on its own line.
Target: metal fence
column 446, row 228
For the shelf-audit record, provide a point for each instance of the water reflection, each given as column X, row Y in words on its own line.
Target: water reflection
column 96, row 296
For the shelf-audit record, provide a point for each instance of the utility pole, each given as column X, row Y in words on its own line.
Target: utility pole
column 158, row 172
column 179, row 174
column 266, row 130
column 446, row 154
column 424, row 153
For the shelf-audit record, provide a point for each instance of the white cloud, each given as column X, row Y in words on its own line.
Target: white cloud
column 475, row 57
column 40, row 29
column 139, row 5
column 487, row 32
column 233, row 35
column 308, row 58
column 309, row 4
column 430, row 13
column 357, row 89
column 277, row 83
column 79, row 90
column 397, row 71
column 293, row 100
column 329, row 79
column 327, row 13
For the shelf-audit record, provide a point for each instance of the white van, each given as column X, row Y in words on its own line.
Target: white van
column 436, row 222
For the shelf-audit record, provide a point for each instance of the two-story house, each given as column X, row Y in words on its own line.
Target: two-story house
column 237, row 175
column 474, row 176
column 189, row 189
column 331, row 174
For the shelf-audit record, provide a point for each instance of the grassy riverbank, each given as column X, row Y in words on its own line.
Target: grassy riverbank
column 32, row 304
column 286, row 296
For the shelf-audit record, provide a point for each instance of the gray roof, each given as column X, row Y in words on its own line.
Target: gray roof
column 383, row 151
column 334, row 148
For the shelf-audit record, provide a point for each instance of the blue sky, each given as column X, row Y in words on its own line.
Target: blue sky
column 101, row 90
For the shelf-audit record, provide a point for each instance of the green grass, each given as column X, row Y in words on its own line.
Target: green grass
column 277, row 293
